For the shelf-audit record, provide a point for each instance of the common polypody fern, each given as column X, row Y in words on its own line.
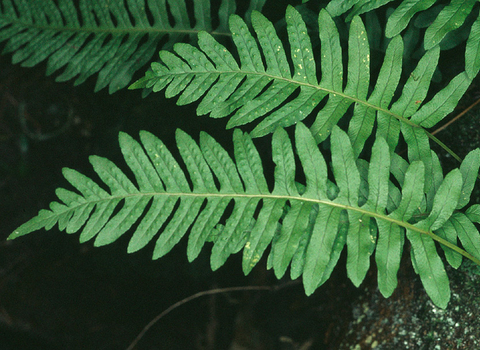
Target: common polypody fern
column 368, row 205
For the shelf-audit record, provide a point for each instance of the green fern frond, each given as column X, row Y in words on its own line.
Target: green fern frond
column 307, row 225
column 113, row 38
column 254, row 90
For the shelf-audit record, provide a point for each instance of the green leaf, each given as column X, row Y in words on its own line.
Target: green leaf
column 472, row 51
column 473, row 213
column 332, row 69
column 337, row 7
column 417, row 85
column 320, row 247
column 388, row 254
column 235, row 232
column 361, row 125
column 469, row 169
column 445, row 201
column 301, row 48
column 284, row 160
column 294, row 227
column 449, row 233
column 430, row 268
column 419, row 149
column 262, row 233
column 467, row 233
column 298, row 260
column 358, row 61
column 412, row 191
column 361, row 239
column 338, row 246
column 433, row 179
column 450, row 18
column 250, row 55
column 390, row 236
column 443, row 102
column 378, row 176
column 344, row 168
column 313, row 163
column 366, row 7
column 402, row 15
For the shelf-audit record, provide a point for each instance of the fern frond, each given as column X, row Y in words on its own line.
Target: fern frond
column 252, row 90
column 307, row 225
column 113, row 38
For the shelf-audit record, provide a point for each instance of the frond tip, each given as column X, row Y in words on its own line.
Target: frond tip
column 307, row 225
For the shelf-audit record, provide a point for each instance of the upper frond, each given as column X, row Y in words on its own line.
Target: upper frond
column 307, row 225
column 264, row 83
column 114, row 38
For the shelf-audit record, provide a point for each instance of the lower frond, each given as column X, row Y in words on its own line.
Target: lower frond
column 307, row 225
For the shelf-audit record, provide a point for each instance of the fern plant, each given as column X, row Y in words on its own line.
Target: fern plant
column 366, row 199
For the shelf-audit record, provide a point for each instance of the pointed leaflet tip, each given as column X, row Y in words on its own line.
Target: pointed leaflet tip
column 469, row 169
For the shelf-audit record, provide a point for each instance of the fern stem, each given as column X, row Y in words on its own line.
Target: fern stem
column 444, row 146
column 290, row 198
column 465, row 111
column 409, row 226
column 116, row 30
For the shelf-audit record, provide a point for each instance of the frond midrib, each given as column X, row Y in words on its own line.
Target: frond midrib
column 119, row 30
column 231, row 196
column 299, row 84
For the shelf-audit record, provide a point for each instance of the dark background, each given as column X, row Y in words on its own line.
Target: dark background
column 58, row 294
